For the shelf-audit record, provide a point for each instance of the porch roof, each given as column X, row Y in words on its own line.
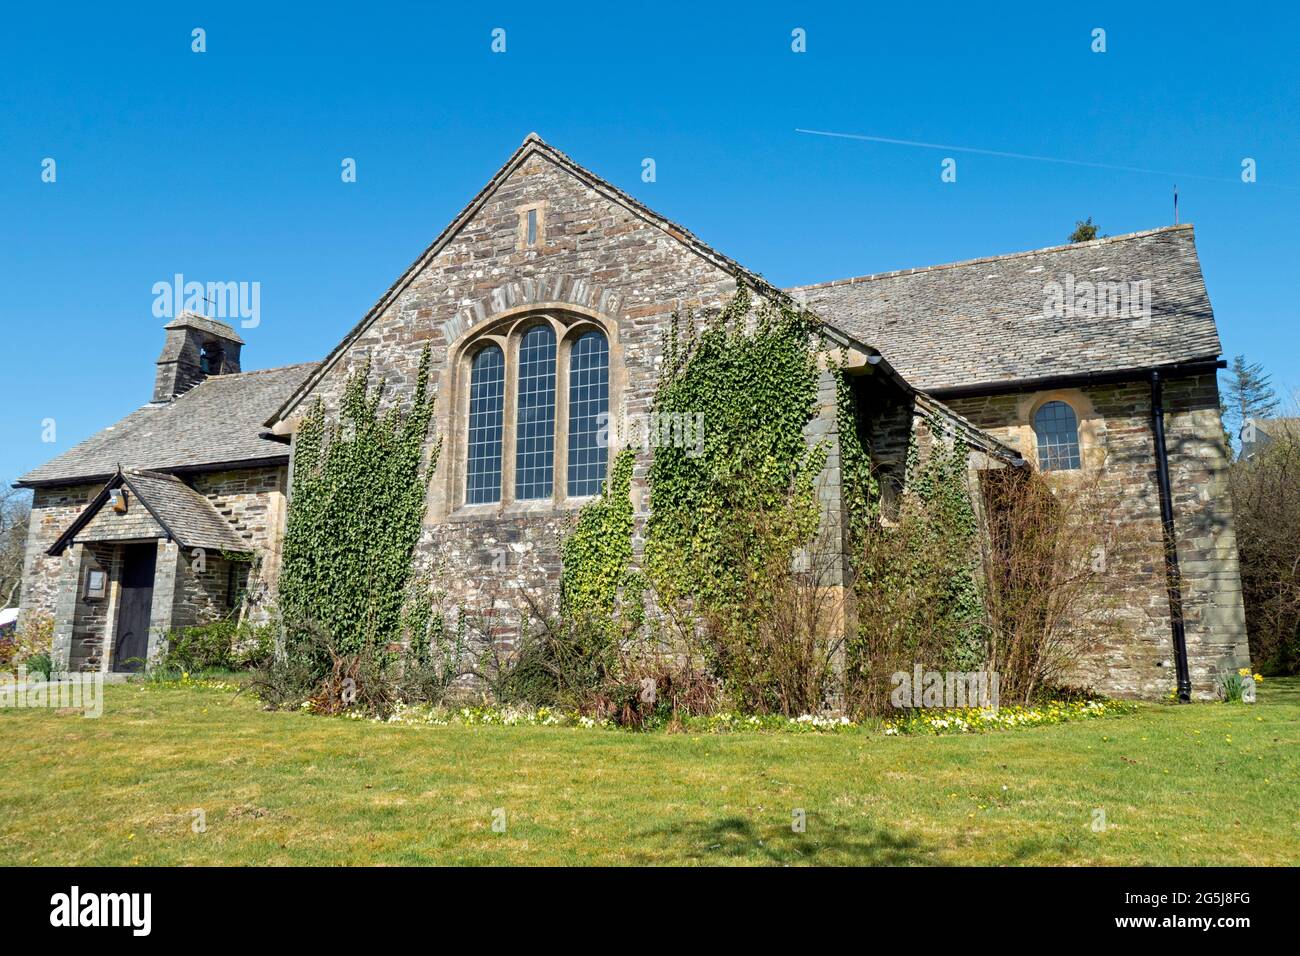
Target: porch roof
column 181, row 513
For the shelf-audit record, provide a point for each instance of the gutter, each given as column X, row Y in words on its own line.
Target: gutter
column 176, row 470
column 1136, row 374
column 1173, row 574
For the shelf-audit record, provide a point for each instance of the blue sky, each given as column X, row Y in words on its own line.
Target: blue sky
column 225, row 165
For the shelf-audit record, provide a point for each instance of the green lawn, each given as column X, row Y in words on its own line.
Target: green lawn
column 1200, row 784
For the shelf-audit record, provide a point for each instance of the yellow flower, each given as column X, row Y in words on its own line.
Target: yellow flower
column 1259, row 678
column 1244, row 672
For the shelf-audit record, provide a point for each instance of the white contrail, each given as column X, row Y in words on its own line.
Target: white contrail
column 1041, row 159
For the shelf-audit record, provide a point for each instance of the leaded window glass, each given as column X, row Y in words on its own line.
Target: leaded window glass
column 535, row 420
column 588, row 414
column 487, row 389
column 1057, row 430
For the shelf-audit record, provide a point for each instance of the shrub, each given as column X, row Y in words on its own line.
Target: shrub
column 557, row 659
column 219, row 645
column 33, row 639
column 324, row 677
column 435, row 658
column 902, row 619
column 916, row 582
column 39, row 664
column 318, row 675
column 777, row 657
column 635, row 681
column 1057, row 554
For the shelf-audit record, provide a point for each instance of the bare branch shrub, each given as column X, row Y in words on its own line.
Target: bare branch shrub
column 915, row 580
column 571, row 661
column 1055, row 552
column 775, row 648
column 902, row 583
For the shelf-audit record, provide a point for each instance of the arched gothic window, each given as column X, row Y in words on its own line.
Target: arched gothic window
column 538, row 413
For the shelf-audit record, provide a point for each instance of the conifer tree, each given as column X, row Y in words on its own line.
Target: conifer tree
column 1247, row 394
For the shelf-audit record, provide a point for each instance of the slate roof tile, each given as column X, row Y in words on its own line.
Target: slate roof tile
column 189, row 517
column 218, row 421
column 982, row 322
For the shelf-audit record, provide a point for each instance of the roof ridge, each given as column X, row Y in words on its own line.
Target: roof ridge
column 254, row 371
column 1092, row 243
column 151, row 473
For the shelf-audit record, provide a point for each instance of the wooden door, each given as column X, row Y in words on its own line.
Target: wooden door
column 133, row 606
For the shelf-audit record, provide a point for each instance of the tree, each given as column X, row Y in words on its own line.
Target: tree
column 15, row 510
column 1266, row 508
column 1084, row 231
column 1247, row 394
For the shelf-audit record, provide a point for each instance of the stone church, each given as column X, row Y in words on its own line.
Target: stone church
column 544, row 303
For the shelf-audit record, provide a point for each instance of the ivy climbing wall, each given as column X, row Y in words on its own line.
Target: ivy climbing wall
column 598, row 260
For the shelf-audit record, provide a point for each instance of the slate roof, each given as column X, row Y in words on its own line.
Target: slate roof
column 193, row 320
column 217, row 422
column 958, row 426
column 981, row 322
column 185, row 515
column 188, row 517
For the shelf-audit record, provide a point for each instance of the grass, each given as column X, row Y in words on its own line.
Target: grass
column 1198, row 784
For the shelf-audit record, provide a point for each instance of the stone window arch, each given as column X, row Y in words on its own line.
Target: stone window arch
column 531, row 420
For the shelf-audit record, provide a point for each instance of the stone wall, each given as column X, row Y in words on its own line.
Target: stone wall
column 202, row 591
column 53, row 509
column 1116, row 438
column 598, row 262
column 254, row 501
column 92, row 615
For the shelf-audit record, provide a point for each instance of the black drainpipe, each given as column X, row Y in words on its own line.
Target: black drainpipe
column 1173, row 575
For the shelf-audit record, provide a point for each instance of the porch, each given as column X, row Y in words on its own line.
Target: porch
column 147, row 555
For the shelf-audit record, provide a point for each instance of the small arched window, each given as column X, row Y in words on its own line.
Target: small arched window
column 487, row 389
column 588, row 414
column 1057, row 430
column 535, row 420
